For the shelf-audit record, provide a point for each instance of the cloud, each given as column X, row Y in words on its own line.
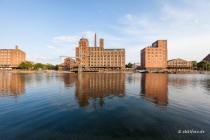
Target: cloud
column 65, row 39
column 185, row 28
column 88, row 34
column 50, row 47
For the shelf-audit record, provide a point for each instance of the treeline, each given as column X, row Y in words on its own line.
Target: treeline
column 28, row 65
column 202, row 65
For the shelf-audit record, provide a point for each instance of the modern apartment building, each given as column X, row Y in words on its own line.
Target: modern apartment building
column 155, row 57
column 11, row 58
column 207, row 58
column 179, row 65
column 99, row 57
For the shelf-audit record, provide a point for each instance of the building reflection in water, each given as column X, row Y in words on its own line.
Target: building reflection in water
column 154, row 88
column 12, row 84
column 68, row 79
column 93, row 88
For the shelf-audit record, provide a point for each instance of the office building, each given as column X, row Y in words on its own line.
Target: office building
column 155, row 57
column 11, row 58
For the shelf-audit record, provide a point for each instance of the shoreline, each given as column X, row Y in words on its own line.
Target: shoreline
column 52, row 71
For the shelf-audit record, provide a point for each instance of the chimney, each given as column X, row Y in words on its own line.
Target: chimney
column 102, row 43
column 16, row 47
column 95, row 41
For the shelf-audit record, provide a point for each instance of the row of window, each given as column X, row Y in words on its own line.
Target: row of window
column 114, row 61
column 155, row 49
column 5, row 57
column 156, row 62
column 107, row 56
column 156, row 56
column 156, row 52
column 104, row 52
column 4, row 51
column 104, row 59
column 4, row 62
column 155, row 59
column 103, row 65
column 178, row 62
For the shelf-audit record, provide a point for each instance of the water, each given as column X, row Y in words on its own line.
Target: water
column 104, row 106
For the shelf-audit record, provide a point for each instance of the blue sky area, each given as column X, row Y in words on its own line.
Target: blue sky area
column 47, row 29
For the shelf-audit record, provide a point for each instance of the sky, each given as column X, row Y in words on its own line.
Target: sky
column 48, row 29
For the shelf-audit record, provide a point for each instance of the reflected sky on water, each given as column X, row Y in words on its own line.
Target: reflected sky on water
column 104, row 106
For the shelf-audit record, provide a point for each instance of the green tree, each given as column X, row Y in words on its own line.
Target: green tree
column 56, row 67
column 203, row 65
column 129, row 65
column 50, row 66
column 194, row 63
column 38, row 66
column 25, row 65
column 22, row 65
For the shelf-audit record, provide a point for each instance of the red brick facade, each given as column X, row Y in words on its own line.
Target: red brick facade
column 98, row 57
column 155, row 56
column 11, row 58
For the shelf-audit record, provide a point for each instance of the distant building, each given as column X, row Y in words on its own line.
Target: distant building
column 61, row 67
column 98, row 57
column 137, row 66
column 155, row 57
column 179, row 65
column 68, row 64
column 207, row 58
column 11, row 58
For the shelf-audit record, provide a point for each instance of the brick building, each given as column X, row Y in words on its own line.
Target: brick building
column 98, row 57
column 11, row 58
column 68, row 64
column 207, row 58
column 155, row 57
column 179, row 65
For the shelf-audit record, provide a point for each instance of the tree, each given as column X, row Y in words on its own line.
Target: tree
column 38, row 66
column 50, row 66
column 25, row 65
column 129, row 65
column 194, row 63
column 56, row 67
column 203, row 65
